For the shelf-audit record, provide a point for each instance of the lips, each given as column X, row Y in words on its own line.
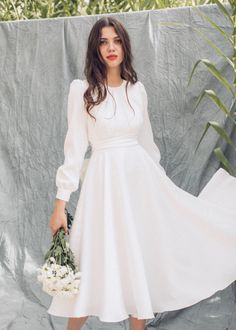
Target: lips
column 112, row 57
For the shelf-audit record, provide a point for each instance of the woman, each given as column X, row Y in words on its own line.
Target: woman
column 143, row 244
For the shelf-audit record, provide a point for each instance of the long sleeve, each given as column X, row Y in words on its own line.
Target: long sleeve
column 75, row 144
column 145, row 137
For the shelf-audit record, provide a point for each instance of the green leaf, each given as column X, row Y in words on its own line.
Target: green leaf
column 216, row 73
column 192, row 72
column 225, row 11
column 225, row 35
column 63, row 243
column 59, row 259
column 203, row 134
column 220, row 130
column 58, row 250
column 211, row 94
column 217, row 49
column 226, row 164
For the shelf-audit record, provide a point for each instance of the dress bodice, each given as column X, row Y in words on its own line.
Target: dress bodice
column 117, row 124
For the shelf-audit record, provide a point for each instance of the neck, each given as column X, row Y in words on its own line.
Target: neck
column 113, row 76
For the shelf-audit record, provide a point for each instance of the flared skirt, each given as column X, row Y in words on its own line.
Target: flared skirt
column 143, row 244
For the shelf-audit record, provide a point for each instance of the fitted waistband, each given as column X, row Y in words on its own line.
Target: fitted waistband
column 110, row 143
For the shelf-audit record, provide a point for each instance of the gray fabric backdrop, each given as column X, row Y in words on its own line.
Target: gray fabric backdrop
column 38, row 59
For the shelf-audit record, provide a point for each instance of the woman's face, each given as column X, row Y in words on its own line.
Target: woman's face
column 111, row 45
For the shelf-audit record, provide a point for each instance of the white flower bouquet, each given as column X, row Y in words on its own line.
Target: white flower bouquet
column 59, row 274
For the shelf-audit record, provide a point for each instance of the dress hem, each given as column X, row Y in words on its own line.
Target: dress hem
column 120, row 319
column 147, row 317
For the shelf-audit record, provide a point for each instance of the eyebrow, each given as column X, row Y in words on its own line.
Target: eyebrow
column 113, row 38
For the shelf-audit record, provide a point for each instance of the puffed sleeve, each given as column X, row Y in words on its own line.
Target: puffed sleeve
column 145, row 137
column 75, row 144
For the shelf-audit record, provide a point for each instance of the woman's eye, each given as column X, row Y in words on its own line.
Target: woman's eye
column 104, row 41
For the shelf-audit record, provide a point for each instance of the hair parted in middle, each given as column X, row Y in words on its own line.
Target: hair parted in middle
column 95, row 69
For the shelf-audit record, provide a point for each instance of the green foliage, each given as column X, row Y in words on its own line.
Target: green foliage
column 34, row 9
column 59, row 248
column 229, row 113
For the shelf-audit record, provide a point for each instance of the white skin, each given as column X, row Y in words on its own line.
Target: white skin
column 110, row 44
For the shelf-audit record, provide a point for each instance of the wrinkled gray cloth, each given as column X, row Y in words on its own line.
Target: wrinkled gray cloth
column 39, row 58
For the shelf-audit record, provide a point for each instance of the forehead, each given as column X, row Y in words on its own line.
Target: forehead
column 108, row 32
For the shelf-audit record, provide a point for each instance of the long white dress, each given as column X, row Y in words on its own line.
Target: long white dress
column 143, row 244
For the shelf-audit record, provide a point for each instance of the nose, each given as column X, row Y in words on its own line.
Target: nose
column 111, row 45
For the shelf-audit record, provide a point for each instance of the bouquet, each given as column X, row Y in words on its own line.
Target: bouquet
column 59, row 274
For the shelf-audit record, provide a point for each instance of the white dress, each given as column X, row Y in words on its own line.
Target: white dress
column 144, row 245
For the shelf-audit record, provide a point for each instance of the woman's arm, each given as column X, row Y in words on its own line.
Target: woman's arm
column 146, row 135
column 75, row 144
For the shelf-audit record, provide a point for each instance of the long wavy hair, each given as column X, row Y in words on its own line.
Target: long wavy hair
column 95, row 69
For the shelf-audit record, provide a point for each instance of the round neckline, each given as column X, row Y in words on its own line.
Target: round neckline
column 115, row 87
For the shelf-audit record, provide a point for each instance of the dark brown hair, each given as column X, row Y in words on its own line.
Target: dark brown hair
column 95, row 69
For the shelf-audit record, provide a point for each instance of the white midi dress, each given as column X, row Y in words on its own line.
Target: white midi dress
column 143, row 244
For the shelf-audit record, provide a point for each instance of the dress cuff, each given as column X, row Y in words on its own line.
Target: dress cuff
column 63, row 194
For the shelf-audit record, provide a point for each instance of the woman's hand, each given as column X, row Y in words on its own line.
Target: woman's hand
column 58, row 218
